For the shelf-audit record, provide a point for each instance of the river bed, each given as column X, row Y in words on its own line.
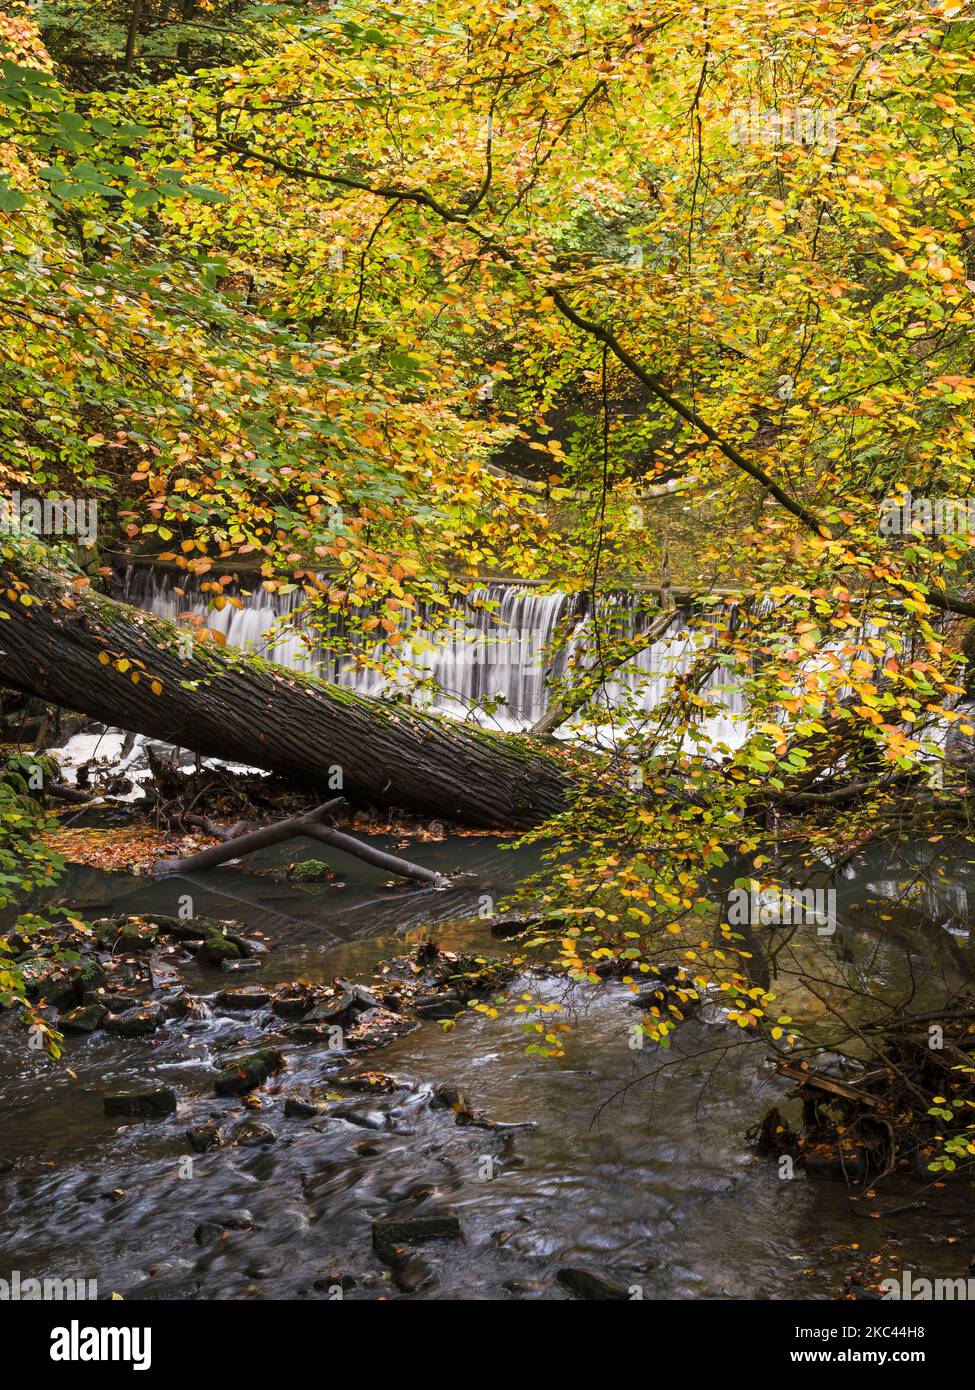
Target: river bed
column 651, row 1183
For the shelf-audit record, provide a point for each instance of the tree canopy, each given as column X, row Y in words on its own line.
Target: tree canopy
column 384, row 298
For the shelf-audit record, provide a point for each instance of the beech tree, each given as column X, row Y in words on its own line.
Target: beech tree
column 407, row 296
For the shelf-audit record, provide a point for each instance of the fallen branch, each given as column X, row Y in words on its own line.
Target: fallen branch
column 377, row 857
column 308, row 826
column 240, row 845
column 72, row 794
column 218, row 832
column 827, row 1083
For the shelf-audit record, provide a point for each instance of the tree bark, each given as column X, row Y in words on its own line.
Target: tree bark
column 79, row 649
column 131, row 35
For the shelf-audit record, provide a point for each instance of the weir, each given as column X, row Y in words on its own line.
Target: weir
column 496, row 662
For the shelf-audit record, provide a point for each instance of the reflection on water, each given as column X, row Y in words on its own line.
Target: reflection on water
column 649, row 1181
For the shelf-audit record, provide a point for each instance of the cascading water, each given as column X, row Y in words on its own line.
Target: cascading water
column 493, row 662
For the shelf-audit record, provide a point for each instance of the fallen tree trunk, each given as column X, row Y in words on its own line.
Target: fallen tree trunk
column 133, row 670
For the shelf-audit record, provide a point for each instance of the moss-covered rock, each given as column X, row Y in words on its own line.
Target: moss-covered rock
column 217, row 948
column 121, row 934
column 86, row 975
column 310, row 871
column 191, row 928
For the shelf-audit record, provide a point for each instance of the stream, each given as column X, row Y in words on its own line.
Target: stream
column 649, row 1183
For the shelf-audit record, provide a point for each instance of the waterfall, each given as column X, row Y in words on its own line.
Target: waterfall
column 493, row 661
column 246, row 627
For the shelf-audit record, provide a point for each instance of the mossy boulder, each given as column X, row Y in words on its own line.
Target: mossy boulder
column 218, row 948
column 87, row 975
column 310, row 871
column 192, row 928
column 121, row 934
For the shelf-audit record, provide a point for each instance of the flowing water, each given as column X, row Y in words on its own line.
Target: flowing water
column 649, row 1181
column 497, row 660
